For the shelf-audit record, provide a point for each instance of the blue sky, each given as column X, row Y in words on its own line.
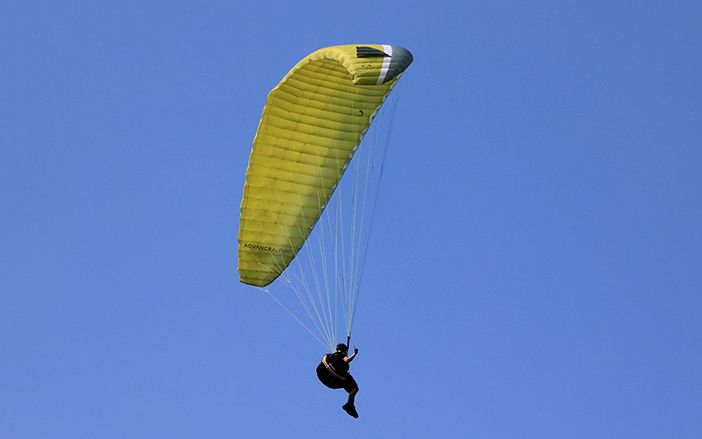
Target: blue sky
column 535, row 264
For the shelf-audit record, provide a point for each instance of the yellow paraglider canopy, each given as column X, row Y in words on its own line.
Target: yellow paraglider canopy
column 311, row 125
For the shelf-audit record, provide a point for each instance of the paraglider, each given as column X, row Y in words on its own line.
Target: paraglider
column 333, row 372
column 310, row 130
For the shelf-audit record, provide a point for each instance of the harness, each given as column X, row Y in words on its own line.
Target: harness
column 331, row 370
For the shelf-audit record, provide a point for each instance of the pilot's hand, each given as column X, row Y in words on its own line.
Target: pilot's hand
column 355, row 350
